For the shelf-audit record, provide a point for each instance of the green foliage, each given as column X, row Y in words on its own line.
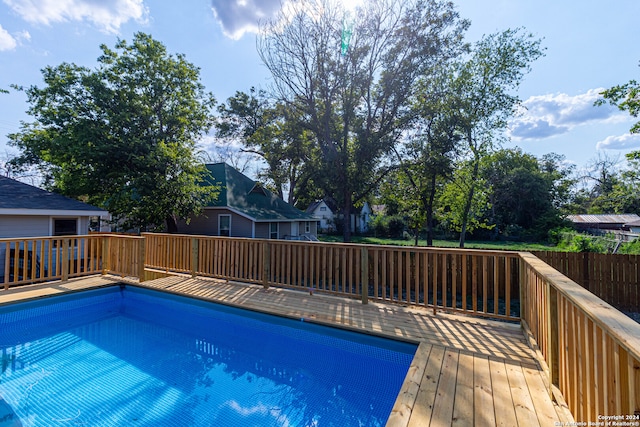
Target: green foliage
column 626, row 97
column 630, row 247
column 525, row 193
column 484, row 86
column 573, row 241
column 388, row 226
column 356, row 104
column 123, row 136
column 275, row 133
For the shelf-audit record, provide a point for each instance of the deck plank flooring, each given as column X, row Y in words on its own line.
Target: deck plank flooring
column 467, row 371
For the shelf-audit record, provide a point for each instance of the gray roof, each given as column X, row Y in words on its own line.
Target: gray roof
column 249, row 197
column 603, row 219
column 17, row 195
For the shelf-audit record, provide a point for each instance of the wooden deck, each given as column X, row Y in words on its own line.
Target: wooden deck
column 466, row 371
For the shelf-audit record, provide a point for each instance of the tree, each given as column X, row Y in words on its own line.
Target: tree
column 626, row 97
column 525, row 193
column 429, row 151
column 353, row 95
column 483, row 86
column 274, row 133
column 123, row 136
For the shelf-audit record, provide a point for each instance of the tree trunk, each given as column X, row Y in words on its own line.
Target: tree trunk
column 346, row 221
column 467, row 205
column 429, row 209
column 172, row 225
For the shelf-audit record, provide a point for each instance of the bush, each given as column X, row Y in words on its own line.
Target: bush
column 630, row 248
column 572, row 241
column 387, row 226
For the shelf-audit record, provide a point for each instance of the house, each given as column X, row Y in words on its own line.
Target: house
column 244, row 208
column 619, row 225
column 634, row 227
column 325, row 212
column 28, row 211
column 324, row 216
column 598, row 224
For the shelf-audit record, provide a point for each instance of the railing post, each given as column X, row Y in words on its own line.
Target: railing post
column 364, row 274
column 266, row 263
column 65, row 260
column 7, row 267
column 105, row 255
column 194, row 256
column 141, row 258
column 552, row 336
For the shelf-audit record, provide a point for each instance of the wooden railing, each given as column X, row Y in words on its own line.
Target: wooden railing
column 613, row 277
column 41, row 259
column 483, row 283
column 592, row 350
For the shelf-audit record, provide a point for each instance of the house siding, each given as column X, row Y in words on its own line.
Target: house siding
column 23, row 226
column 207, row 224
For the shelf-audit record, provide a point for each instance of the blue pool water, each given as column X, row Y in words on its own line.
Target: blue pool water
column 126, row 356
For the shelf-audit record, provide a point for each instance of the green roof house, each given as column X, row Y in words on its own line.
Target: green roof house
column 244, row 208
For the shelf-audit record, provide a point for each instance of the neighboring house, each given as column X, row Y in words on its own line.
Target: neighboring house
column 619, row 225
column 603, row 223
column 326, row 214
column 244, row 208
column 633, row 226
column 27, row 211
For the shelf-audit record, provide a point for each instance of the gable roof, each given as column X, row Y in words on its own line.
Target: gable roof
column 15, row 195
column 248, row 197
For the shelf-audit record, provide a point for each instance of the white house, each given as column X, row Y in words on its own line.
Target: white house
column 326, row 215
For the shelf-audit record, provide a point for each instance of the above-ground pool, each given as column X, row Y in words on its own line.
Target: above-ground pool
column 131, row 356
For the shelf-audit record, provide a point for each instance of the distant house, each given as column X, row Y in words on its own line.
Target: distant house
column 633, row 226
column 603, row 223
column 28, row 211
column 326, row 214
column 621, row 226
column 244, row 208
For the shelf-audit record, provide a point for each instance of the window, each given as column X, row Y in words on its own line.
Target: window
column 273, row 230
column 224, row 225
column 323, row 208
column 307, row 227
column 65, row 227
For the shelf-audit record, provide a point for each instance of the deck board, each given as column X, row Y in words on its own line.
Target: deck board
column 467, row 371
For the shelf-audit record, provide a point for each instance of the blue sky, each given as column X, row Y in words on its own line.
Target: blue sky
column 591, row 44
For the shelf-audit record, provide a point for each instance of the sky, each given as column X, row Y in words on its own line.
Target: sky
column 590, row 45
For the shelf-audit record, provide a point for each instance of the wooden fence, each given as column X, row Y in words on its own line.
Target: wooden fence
column 592, row 350
column 482, row 283
column 613, row 277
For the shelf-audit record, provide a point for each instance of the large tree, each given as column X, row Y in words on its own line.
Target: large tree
column 351, row 78
column 124, row 135
column 484, row 86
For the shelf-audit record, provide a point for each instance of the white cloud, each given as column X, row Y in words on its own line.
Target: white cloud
column 237, row 17
column 107, row 15
column 553, row 114
column 7, row 42
column 619, row 142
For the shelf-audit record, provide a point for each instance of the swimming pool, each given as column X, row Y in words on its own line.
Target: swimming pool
column 132, row 356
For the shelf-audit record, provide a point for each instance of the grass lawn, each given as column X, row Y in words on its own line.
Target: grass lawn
column 504, row 246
